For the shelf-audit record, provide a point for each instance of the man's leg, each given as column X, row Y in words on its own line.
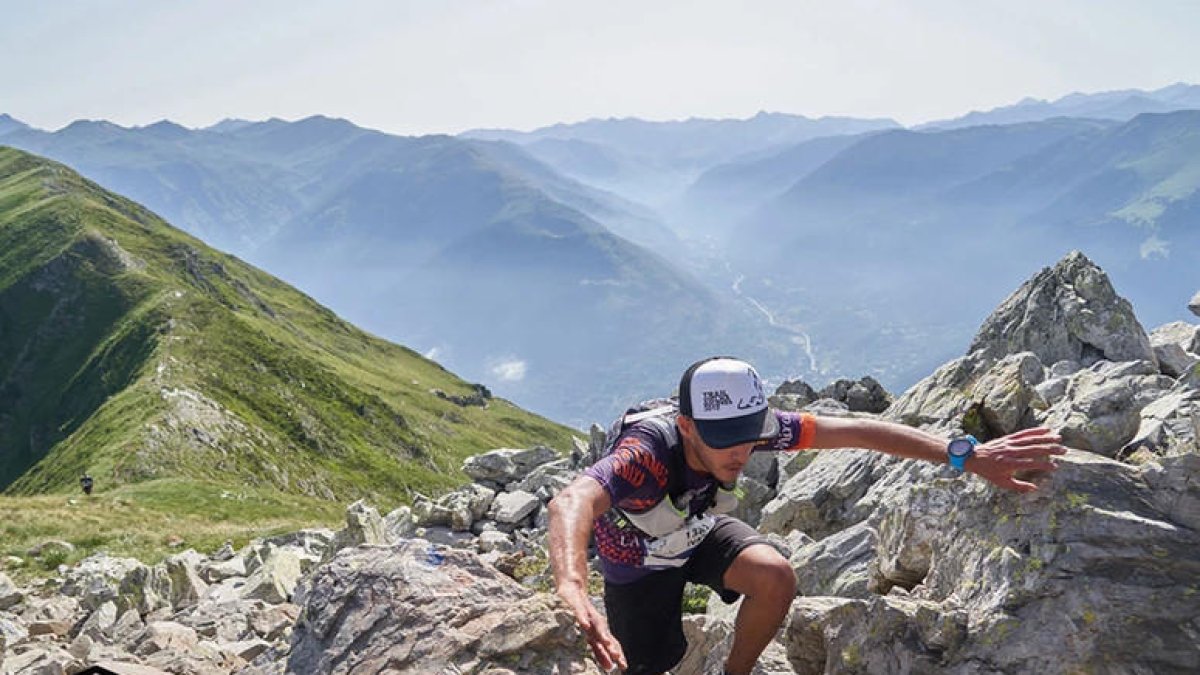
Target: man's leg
column 768, row 583
column 645, row 617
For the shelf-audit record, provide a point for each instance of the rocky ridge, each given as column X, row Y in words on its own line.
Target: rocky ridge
column 901, row 565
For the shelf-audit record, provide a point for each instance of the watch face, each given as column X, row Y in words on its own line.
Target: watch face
column 960, row 447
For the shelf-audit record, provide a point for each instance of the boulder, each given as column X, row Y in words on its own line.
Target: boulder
column 276, row 580
column 865, row 395
column 10, row 595
column 1069, row 311
column 513, row 507
column 1101, row 410
column 415, row 607
column 95, row 580
column 504, row 466
column 838, row 564
column 364, row 525
column 99, row 624
column 1194, row 304
column 165, row 635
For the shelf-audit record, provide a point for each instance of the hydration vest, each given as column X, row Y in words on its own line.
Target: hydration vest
column 671, row 530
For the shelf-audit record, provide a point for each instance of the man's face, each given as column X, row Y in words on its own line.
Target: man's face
column 725, row 464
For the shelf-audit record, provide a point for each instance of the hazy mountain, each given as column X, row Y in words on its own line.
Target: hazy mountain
column 901, row 237
column 651, row 162
column 133, row 351
column 378, row 227
column 8, row 124
column 728, row 192
column 1121, row 105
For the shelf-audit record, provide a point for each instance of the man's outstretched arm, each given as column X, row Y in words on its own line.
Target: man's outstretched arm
column 571, row 514
column 996, row 461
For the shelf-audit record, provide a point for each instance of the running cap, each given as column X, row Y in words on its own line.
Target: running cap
column 725, row 397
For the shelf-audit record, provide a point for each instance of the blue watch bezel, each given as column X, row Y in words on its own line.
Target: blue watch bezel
column 959, row 460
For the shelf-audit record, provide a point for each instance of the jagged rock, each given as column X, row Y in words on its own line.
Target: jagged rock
column 399, row 524
column 1194, row 304
column 10, row 595
column 754, row 496
column 100, row 622
column 865, row 395
column 276, row 580
column 1074, row 577
column 1177, row 346
column 494, row 540
column 313, row 542
column 186, row 585
column 55, row 608
column 272, row 621
column 247, row 650
column 1101, row 409
column 219, row 570
column 122, row 668
column 224, row 553
column 127, row 627
column 416, row 607
column 165, row 635
column 513, row 507
column 823, row 498
column 547, row 480
column 46, row 660
column 1006, row 391
column 1069, row 311
column 836, row 565
column 364, row 525
column 1169, row 425
column 877, row 636
column 81, row 647
column 145, row 589
column 763, row 467
column 11, row 630
column 94, row 580
column 796, row 388
column 827, row 406
column 505, row 465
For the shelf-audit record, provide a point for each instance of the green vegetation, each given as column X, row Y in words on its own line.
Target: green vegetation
column 132, row 351
column 150, row 520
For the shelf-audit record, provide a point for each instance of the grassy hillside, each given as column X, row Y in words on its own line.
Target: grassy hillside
column 132, row 351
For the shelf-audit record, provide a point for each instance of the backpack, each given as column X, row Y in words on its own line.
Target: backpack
column 660, row 413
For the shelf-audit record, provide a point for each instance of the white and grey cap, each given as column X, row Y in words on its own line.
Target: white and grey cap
column 725, row 397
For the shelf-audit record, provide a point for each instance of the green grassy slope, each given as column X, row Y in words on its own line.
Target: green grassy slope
column 131, row 350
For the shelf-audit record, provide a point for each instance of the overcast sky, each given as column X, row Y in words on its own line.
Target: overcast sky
column 450, row 65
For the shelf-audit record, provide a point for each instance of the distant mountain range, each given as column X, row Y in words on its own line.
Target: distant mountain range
column 1121, row 105
column 471, row 251
column 613, row 252
column 133, row 351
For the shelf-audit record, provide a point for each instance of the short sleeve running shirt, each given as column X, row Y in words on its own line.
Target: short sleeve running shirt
column 636, row 475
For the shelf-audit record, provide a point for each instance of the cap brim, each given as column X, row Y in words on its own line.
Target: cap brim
column 720, row 434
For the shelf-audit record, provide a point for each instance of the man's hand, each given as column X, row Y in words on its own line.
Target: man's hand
column 604, row 646
column 998, row 460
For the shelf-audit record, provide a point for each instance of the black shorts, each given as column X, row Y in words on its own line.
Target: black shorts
column 646, row 615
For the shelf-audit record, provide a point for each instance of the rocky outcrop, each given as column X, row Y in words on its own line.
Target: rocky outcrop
column 419, row 607
column 864, row 395
column 902, row 566
column 1194, row 304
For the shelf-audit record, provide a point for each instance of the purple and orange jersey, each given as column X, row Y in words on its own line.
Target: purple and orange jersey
column 636, row 475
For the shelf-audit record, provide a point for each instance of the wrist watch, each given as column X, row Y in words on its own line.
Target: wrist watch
column 959, row 450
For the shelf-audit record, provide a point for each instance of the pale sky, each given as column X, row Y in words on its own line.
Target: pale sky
column 444, row 66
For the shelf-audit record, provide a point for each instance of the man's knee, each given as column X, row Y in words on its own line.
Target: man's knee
column 760, row 570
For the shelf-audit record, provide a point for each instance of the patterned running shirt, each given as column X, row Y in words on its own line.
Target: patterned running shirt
column 636, row 475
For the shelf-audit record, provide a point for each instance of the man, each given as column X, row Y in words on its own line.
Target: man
column 650, row 545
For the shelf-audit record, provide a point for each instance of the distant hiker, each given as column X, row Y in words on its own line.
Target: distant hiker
column 86, row 483
column 694, row 451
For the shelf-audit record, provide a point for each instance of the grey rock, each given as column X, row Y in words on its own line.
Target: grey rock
column 493, row 540
column 43, row 660
column 165, row 635
column 364, row 525
column 1067, row 312
column 95, row 579
column 754, row 495
column 186, row 585
column 1169, row 425
column 128, row 626
column 1194, row 304
column 276, row 580
column 513, row 507
column 547, row 480
column 865, row 395
column 413, row 608
column 217, row 571
column 838, row 564
column 1173, row 360
column 399, row 524
column 99, row 624
column 505, row 465
column 1007, row 390
column 12, row 631
column 824, row 497
column 1101, row 409
column 1180, row 333
column 10, row 595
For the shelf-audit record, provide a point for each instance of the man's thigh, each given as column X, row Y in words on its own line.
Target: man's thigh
column 716, row 554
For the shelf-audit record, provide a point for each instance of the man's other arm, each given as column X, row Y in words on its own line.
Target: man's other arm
column 571, row 514
column 996, row 461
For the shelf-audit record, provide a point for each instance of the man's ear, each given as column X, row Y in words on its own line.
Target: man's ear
column 686, row 425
